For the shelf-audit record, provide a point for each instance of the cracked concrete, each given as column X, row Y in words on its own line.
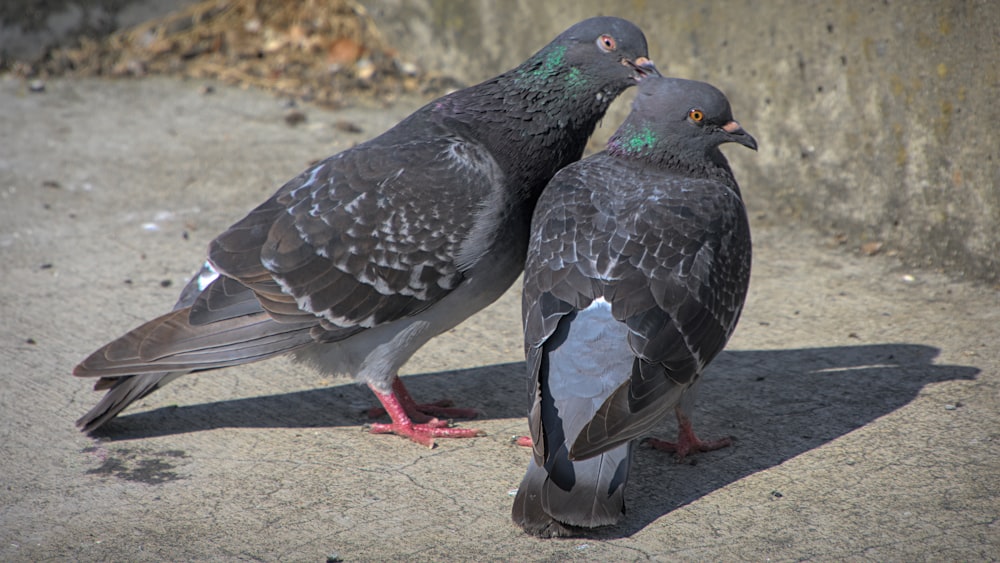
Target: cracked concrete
column 862, row 396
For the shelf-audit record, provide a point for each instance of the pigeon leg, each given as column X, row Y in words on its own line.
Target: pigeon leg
column 687, row 441
column 422, row 413
column 422, row 433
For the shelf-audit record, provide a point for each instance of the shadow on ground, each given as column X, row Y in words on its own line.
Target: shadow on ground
column 329, row 406
column 777, row 404
column 780, row 404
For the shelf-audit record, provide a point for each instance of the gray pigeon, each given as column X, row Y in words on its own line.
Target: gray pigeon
column 360, row 260
column 637, row 271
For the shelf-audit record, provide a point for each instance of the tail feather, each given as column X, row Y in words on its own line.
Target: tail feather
column 571, row 495
column 161, row 350
column 170, row 343
column 122, row 392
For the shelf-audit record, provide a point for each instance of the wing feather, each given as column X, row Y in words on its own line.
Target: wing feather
column 348, row 242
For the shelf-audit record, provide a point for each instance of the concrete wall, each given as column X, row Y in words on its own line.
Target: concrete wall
column 876, row 120
column 29, row 27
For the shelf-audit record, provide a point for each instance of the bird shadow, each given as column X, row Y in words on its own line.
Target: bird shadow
column 337, row 405
column 776, row 404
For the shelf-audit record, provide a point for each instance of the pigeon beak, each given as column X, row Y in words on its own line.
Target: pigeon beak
column 738, row 135
column 643, row 67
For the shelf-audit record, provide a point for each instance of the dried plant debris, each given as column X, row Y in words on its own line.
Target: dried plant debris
column 315, row 50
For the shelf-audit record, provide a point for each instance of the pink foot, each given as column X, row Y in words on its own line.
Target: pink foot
column 524, row 441
column 422, row 413
column 687, row 441
column 422, row 432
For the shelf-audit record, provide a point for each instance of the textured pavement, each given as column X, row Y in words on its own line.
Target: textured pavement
column 864, row 398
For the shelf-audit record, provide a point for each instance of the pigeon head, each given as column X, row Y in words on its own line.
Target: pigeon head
column 605, row 54
column 678, row 120
column 550, row 104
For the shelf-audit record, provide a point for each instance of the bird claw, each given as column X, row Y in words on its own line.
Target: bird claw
column 523, row 441
column 416, row 426
column 684, row 445
column 424, row 433
column 427, row 411
column 687, row 441
column 422, row 413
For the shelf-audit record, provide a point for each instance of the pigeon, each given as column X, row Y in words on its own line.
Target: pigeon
column 361, row 259
column 637, row 271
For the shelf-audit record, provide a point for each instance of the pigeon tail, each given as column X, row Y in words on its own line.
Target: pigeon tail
column 171, row 343
column 157, row 352
column 123, row 392
column 595, row 496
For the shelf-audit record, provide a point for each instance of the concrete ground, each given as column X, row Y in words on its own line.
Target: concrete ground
column 863, row 397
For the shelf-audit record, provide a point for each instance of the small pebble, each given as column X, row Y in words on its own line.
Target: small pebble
column 364, row 69
column 347, row 126
column 295, row 117
column 409, row 69
column 36, row 86
column 871, row 248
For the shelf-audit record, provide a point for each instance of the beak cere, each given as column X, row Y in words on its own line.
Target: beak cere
column 731, row 127
column 738, row 135
column 643, row 66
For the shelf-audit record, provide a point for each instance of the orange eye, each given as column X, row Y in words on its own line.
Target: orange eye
column 696, row 115
column 607, row 43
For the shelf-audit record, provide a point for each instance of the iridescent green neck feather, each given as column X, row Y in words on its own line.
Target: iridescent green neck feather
column 632, row 141
column 549, row 68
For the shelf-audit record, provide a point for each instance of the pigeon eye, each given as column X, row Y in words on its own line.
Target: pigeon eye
column 607, row 43
column 696, row 115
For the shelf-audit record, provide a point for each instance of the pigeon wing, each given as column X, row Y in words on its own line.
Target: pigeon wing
column 679, row 288
column 371, row 235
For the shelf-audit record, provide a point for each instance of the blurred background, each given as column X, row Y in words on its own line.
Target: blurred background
column 875, row 119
